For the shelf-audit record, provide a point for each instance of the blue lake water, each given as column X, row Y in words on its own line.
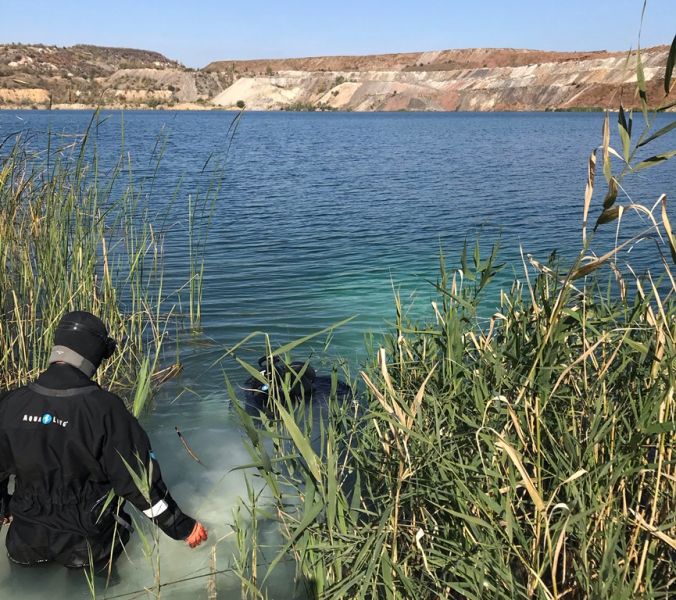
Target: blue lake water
column 319, row 217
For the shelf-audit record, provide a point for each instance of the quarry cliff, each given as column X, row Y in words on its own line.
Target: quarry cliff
column 479, row 79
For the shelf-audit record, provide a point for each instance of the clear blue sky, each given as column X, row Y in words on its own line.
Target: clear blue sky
column 200, row 31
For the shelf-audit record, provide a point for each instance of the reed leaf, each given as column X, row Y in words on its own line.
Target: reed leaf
column 641, row 86
column 654, row 160
column 624, row 128
column 588, row 193
column 663, row 131
column 301, row 442
column 667, row 227
column 609, row 214
column 669, row 69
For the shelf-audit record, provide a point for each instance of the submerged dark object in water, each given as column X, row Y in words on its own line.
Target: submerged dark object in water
column 302, row 380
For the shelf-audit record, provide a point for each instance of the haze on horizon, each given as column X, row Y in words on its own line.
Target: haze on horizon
column 199, row 33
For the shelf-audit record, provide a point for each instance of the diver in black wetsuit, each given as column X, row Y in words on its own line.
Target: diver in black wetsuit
column 69, row 443
column 304, row 383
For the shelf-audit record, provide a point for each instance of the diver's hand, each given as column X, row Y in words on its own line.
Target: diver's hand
column 6, row 520
column 197, row 536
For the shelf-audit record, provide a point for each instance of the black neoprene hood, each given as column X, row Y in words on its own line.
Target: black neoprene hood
column 85, row 334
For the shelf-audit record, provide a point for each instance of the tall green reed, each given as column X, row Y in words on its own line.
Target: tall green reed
column 464, row 472
column 75, row 236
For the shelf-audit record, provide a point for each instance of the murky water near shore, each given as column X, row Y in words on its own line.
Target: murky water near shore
column 319, row 217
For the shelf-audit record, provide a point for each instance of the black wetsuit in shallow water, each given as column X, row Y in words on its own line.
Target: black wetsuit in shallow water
column 67, row 440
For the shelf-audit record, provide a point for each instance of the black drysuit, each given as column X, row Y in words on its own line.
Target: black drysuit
column 67, row 441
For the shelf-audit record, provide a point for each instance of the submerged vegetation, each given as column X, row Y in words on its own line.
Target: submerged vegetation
column 528, row 455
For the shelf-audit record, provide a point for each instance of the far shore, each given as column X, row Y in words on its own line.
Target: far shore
column 80, row 106
column 191, row 106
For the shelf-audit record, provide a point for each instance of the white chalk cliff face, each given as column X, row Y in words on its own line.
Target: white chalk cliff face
column 596, row 82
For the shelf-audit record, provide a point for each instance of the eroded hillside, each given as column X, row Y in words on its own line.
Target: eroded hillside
column 479, row 79
column 49, row 76
column 472, row 80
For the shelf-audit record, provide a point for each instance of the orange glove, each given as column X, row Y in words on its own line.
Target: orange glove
column 197, row 536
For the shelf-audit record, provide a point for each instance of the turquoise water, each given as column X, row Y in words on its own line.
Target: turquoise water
column 319, row 217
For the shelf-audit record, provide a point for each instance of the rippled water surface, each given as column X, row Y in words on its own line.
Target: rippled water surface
column 319, row 218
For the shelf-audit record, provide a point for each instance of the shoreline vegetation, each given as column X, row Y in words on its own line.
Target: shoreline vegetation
column 67, row 243
column 527, row 456
column 76, row 236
